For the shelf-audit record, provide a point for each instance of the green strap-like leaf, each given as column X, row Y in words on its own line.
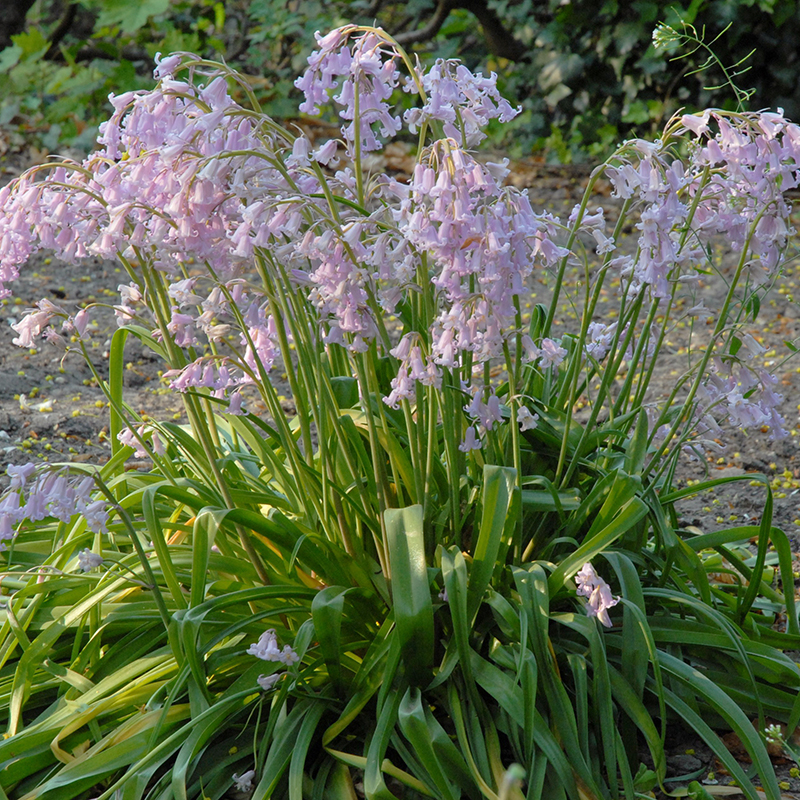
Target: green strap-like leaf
column 206, row 526
column 283, row 743
column 374, row 784
column 454, row 573
column 300, row 750
column 701, row 686
column 326, row 611
column 636, row 451
column 413, row 723
column 633, row 511
column 698, row 724
column 499, row 495
column 411, row 594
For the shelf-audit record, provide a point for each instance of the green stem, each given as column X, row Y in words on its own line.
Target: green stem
column 551, row 312
column 720, row 326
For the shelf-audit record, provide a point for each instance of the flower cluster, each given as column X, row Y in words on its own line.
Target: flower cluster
column 746, row 396
column 142, row 190
column 464, row 103
column 370, row 76
column 197, row 189
column 34, row 497
column 244, row 782
column 87, row 560
column 752, row 160
column 733, row 183
column 483, row 241
column 644, row 172
column 590, row 585
column 266, row 648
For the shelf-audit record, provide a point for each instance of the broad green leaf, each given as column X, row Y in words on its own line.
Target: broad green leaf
column 414, row 724
column 129, row 16
column 377, row 669
column 345, row 390
column 339, row 785
column 454, row 573
column 411, row 593
column 626, row 517
column 500, row 504
column 194, row 744
column 326, row 611
column 634, row 642
column 204, row 531
column 588, row 505
column 300, row 750
column 285, row 738
column 702, row 687
column 541, row 501
column 636, row 451
column 374, row 784
column 603, row 708
column 532, row 585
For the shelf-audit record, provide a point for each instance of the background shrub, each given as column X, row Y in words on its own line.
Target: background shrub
column 586, row 72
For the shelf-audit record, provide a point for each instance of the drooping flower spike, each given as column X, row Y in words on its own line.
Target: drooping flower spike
column 590, row 585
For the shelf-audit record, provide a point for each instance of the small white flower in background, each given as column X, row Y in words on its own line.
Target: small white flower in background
column 591, row 585
column 266, row 648
column 267, row 682
column 527, row 421
column 443, row 596
column 664, row 36
column 87, row 560
column 700, row 312
column 288, row 656
column 773, row 734
column 244, row 782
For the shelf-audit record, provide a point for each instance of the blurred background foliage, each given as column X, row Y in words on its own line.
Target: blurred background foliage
column 585, row 71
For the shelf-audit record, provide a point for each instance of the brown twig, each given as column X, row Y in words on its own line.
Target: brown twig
column 498, row 39
column 62, row 29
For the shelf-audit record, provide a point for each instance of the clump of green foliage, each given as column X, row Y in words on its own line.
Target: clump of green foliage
column 56, row 75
